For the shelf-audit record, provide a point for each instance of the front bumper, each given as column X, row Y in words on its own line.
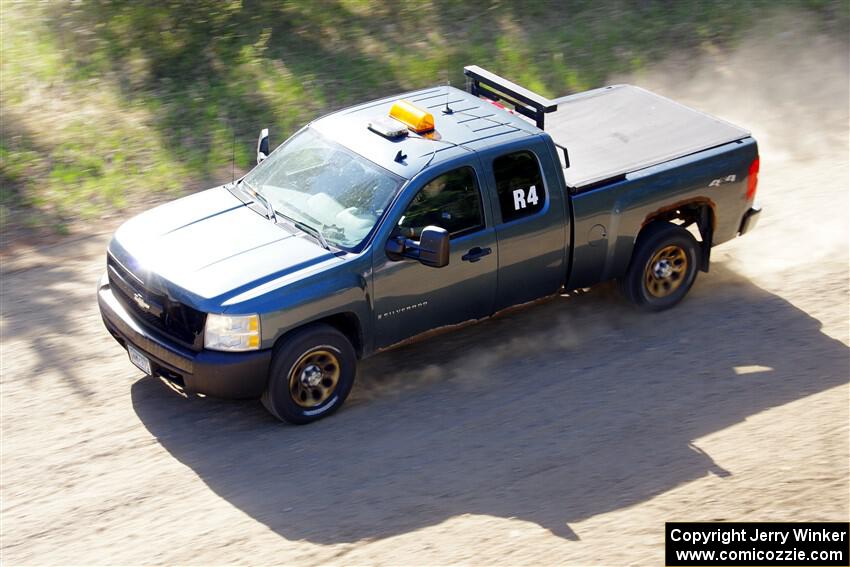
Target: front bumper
column 217, row 374
column 750, row 220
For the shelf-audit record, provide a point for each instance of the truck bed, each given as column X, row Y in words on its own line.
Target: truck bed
column 615, row 130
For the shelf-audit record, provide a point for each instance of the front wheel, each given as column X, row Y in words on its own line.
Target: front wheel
column 312, row 373
column 663, row 267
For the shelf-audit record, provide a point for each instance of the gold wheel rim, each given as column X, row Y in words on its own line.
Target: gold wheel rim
column 666, row 271
column 314, row 377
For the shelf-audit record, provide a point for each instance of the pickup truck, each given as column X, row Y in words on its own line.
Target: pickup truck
column 391, row 218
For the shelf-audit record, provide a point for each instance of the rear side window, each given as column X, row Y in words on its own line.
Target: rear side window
column 451, row 201
column 519, row 185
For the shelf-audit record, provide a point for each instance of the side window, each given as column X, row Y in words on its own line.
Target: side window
column 451, row 201
column 519, row 185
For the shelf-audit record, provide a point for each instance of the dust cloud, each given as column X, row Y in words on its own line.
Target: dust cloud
column 789, row 84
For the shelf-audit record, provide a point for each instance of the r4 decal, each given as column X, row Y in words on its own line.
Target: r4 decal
column 521, row 200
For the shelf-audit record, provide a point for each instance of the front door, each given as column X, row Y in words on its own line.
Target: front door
column 411, row 298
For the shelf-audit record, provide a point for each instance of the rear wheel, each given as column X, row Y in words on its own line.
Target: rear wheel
column 663, row 267
column 312, row 373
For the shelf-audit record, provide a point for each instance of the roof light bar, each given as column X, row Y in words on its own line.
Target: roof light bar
column 388, row 128
column 412, row 116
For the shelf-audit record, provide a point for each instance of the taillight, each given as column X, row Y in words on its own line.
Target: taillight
column 753, row 179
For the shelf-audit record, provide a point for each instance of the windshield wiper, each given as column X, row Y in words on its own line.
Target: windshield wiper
column 310, row 230
column 271, row 214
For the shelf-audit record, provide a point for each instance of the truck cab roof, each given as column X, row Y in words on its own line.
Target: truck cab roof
column 462, row 123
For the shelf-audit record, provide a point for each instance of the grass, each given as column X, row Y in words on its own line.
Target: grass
column 108, row 103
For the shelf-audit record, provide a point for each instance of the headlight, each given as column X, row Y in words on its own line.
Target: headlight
column 232, row 332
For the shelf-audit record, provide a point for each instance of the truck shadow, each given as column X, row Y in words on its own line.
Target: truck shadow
column 550, row 414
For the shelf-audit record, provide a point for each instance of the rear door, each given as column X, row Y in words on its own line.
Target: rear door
column 531, row 221
column 411, row 298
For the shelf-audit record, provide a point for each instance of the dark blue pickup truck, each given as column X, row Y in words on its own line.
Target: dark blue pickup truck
column 391, row 218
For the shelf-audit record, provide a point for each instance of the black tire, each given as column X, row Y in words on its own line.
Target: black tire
column 662, row 249
column 318, row 353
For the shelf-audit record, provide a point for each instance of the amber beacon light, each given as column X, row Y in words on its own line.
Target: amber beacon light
column 412, row 116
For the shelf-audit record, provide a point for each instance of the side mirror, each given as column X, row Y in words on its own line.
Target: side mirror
column 432, row 249
column 263, row 145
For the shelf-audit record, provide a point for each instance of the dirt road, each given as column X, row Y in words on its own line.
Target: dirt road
column 564, row 433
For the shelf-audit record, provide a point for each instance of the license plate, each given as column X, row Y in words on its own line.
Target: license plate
column 139, row 360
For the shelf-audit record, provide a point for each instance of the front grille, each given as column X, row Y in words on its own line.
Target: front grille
column 154, row 309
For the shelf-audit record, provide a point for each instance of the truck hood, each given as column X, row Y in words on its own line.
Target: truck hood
column 210, row 245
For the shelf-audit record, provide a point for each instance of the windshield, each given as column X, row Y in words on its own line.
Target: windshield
column 321, row 184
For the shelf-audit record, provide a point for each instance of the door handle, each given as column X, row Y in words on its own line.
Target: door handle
column 475, row 254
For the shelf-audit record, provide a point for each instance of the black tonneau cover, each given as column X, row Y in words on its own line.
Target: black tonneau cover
column 616, row 130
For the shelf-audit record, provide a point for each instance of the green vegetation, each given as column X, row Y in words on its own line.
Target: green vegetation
column 105, row 103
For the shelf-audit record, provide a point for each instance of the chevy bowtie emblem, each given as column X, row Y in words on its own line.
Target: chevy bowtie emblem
column 140, row 301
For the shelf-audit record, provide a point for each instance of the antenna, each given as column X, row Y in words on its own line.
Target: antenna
column 233, row 160
column 448, row 110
